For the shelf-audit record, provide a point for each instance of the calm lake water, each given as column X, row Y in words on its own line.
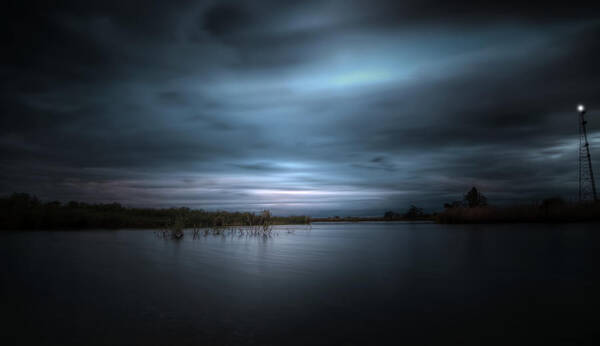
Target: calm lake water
column 353, row 284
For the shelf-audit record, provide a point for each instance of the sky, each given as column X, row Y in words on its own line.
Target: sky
column 301, row 107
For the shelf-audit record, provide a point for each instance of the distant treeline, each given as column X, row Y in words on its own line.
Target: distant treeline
column 368, row 218
column 475, row 209
column 347, row 219
column 21, row 211
column 413, row 213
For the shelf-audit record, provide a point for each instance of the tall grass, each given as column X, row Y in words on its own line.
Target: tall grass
column 543, row 212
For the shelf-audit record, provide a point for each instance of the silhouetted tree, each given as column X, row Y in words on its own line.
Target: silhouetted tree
column 553, row 202
column 454, row 204
column 474, row 198
column 390, row 215
column 414, row 212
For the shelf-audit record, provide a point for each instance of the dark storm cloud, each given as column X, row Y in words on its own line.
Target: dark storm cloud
column 226, row 19
column 301, row 107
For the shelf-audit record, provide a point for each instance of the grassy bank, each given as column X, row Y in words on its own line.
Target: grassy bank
column 561, row 212
column 25, row 212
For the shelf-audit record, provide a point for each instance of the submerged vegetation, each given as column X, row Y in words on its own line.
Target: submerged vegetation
column 260, row 225
column 24, row 212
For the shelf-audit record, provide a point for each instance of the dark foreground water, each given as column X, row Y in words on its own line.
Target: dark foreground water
column 361, row 284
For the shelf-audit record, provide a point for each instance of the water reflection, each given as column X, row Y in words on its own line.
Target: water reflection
column 337, row 283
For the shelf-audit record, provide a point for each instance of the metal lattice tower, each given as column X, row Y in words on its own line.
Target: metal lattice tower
column 587, row 185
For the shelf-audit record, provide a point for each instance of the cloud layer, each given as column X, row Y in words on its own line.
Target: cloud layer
column 318, row 107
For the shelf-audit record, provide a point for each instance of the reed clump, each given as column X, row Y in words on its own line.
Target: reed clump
column 255, row 225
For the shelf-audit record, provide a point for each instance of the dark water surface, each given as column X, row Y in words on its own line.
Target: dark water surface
column 362, row 284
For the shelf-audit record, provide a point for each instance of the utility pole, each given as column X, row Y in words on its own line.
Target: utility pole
column 587, row 184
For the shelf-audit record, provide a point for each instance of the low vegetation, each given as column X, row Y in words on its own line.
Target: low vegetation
column 474, row 209
column 413, row 213
column 24, row 212
column 568, row 212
